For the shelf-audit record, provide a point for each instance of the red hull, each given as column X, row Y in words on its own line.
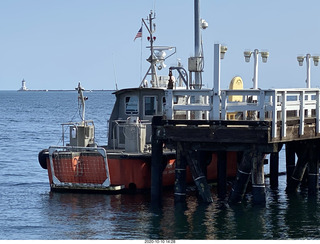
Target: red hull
column 137, row 172
column 132, row 173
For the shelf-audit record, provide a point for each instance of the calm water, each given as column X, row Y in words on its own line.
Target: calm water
column 30, row 121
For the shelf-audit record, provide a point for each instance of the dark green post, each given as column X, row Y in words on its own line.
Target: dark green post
column 156, row 162
column 243, row 176
column 274, row 170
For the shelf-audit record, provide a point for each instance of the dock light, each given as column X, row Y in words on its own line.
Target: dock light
column 300, row 60
column 223, row 50
column 256, row 52
column 316, row 60
column 264, row 56
column 247, row 55
column 308, row 56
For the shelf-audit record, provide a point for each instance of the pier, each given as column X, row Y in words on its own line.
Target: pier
column 257, row 123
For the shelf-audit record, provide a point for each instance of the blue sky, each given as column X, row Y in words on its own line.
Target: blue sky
column 53, row 44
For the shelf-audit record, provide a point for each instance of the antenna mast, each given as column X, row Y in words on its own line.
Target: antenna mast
column 82, row 100
column 151, row 59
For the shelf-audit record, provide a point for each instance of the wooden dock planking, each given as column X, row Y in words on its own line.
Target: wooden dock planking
column 245, row 131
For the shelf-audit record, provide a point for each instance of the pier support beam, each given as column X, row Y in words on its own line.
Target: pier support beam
column 299, row 170
column 156, row 163
column 274, row 170
column 180, row 175
column 313, row 169
column 243, row 176
column 290, row 160
column 198, row 174
column 222, row 173
column 258, row 185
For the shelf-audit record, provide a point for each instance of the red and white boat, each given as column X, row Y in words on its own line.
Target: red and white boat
column 125, row 163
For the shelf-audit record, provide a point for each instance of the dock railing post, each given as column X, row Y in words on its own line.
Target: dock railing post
column 216, row 82
column 224, row 105
column 317, row 111
column 262, row 105
column 284, row 114
column 302, row 103
column 274, row 115
column 169, row 104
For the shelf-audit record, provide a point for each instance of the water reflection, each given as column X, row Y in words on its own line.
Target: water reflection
column 283, row 217
column 98, row 216
column 95, row 216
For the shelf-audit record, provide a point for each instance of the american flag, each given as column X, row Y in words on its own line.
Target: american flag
column 139, row 34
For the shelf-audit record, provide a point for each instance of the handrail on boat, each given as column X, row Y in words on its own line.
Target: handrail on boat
column 58, row 149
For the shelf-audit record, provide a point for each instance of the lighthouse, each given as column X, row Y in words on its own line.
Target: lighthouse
column 23, row 86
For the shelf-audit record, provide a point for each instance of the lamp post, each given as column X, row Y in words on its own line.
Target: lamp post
column 219, row 53
column 256, row 52
column 308, row 56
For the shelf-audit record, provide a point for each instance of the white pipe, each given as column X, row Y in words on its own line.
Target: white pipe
column 255, row 75
column 216, row 82
column 308, row 56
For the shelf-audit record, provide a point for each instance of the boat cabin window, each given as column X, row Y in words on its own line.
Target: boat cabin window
column 150, row 106
column 163, row 104
column 132, row 105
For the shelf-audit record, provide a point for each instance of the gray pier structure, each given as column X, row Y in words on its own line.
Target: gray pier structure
column 261, row 122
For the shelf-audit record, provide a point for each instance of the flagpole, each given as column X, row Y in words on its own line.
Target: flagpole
column 141, row 54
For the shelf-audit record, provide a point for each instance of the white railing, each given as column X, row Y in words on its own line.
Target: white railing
column 272, row 105
column 181, row 100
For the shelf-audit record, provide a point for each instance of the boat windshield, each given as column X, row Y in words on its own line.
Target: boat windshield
column 132, row 105
column 150, row 106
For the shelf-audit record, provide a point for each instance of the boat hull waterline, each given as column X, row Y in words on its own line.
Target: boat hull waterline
column 87, row 171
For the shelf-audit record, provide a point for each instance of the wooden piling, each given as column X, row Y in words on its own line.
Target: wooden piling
column 197, row 174
column 313, row 171
column 242, row 179
column 258, row 185
column 290, row 160
column 222, row 173
column 274, row 170
column 180, row 175
column 156, row 163
column 299, row 170
column 204, row 157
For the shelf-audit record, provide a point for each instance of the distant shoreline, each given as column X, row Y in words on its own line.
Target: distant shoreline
column 44, row 90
